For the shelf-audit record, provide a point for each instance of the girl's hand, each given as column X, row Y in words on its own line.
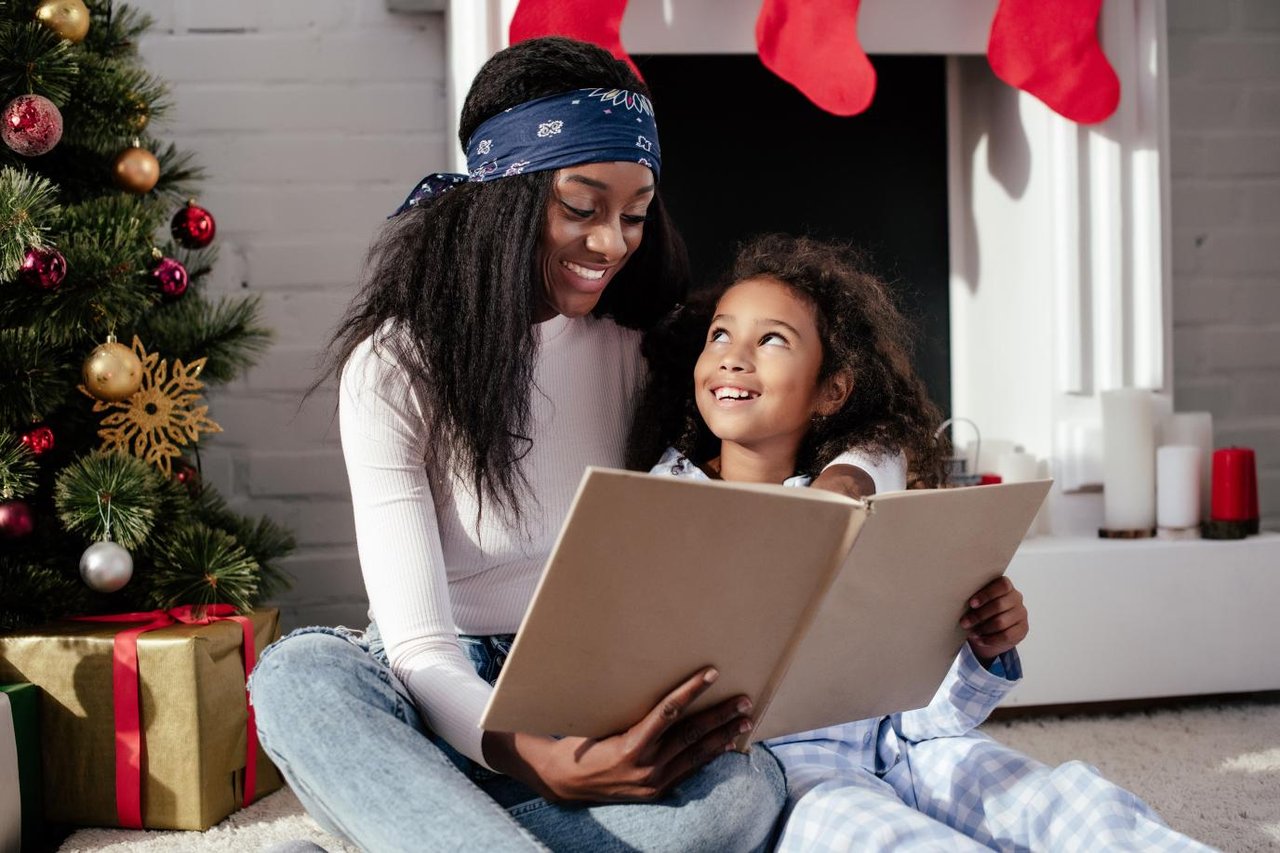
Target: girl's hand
column 640, row 764
column 996, row 620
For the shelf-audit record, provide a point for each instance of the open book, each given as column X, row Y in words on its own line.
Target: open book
column 821, row 608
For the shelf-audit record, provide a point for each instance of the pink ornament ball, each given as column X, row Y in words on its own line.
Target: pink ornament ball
column 42, row 268
column 31, row 125
column 170, row 277
column 16, row 520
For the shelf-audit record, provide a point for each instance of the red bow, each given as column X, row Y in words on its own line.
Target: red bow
column 128, row 716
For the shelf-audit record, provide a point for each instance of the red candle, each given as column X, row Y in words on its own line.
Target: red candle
column 1235, row 485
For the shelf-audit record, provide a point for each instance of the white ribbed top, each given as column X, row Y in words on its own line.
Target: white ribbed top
column 430, row 574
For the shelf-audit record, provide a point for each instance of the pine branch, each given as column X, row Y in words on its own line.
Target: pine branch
column 98, row 483
column 17, row 468
column 107, row 245
column 37, row 378
column 118, row 106
column 28, row 207
column 226, row 332
column 178, row 173
column 36, row 587
column 114, row 29
column 198, row 262
column 265, row 540
column 34, row 60
column 198, row 564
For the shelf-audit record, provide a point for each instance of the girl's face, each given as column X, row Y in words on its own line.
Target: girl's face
column 757, row 378
column 594, row 222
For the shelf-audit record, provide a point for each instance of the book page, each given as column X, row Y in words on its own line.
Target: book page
column 653, row 578
column 887, row 631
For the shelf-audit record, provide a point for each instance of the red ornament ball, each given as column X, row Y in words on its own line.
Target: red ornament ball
column 38, row 439
column 16, row 520
column 43, row 268
column 193, row 227
column 170, row 277
column 188, row 475
column 31, row 125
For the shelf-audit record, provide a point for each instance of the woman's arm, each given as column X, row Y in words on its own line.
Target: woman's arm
column 401, row 558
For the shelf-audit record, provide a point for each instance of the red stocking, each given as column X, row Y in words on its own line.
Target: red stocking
column 813, row 45
column 595, row 21
column 1050, row 49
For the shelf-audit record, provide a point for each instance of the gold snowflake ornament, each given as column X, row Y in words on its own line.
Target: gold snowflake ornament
column 161, row 415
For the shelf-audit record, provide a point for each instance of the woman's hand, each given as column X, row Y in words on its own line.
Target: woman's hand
column 996, row 620
column 640, row 764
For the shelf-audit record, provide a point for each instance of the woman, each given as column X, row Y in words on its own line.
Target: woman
column 492, row 354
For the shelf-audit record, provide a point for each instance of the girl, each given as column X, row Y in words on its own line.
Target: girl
column 802, row 356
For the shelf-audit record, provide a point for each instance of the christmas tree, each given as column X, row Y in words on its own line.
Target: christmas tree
column 107, row 341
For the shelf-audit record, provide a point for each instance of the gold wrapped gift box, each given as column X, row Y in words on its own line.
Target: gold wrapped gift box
column 193, row 719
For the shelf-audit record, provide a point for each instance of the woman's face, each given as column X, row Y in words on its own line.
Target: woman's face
column 594, row 222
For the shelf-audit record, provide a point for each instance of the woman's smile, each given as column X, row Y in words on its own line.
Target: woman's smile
column 595, row 222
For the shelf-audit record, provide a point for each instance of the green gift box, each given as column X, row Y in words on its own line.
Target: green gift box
column 193, row 719
column 21, row 818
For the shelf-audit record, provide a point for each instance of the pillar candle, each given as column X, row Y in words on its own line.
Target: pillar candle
column 1016, row 466
column 1178, row 486
column 991, row 451
column 1235, row 485
column 1128, row 460
column 1195, row 428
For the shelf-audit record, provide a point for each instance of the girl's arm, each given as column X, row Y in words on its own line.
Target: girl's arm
column 996, row 620
column 848, row 480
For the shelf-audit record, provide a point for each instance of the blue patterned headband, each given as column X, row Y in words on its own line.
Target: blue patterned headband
column 583, row 126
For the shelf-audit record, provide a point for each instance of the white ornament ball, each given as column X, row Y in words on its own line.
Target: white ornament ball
column 105, row 567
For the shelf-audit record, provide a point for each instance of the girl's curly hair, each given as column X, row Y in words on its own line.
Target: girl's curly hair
column 862, row 332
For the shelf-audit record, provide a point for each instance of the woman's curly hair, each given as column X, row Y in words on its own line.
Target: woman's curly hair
column 449, row 291
column 863, row 333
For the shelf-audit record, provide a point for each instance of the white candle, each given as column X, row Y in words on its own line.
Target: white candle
column 1015, row 466
column 1128, row 460
column 991, row 451
column 1178, row 486
column 1195, row 428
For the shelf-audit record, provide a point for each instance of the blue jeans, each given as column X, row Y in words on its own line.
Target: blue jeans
column 346, row 735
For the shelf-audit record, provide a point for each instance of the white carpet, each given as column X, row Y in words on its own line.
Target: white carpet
column 1212, row 772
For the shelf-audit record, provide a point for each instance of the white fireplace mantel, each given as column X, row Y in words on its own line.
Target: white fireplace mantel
column 1060, row 289
column 1059, row 258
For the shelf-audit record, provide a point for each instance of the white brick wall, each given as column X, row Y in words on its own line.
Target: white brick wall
column 313, row 119
column 1224, row 93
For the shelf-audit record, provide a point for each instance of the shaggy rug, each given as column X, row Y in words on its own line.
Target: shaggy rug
column 1212, row 771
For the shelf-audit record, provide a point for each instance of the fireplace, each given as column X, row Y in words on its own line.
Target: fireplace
column 1052, row 281
column 1057, row 288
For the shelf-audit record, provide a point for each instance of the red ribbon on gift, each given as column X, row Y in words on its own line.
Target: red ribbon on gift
column 128, row 710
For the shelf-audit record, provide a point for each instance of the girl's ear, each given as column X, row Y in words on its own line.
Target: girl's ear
column 833, row 393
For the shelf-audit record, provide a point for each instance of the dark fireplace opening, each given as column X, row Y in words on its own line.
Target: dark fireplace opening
column 745, row 153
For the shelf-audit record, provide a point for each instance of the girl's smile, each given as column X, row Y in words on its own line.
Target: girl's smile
column 757, row 379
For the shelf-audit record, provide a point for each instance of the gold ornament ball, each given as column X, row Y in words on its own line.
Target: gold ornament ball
column 141, row 114
column 68, row 18
column 112, row 372
column 136, row 170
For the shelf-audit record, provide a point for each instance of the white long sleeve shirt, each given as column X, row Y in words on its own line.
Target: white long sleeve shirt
column 430, row 571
